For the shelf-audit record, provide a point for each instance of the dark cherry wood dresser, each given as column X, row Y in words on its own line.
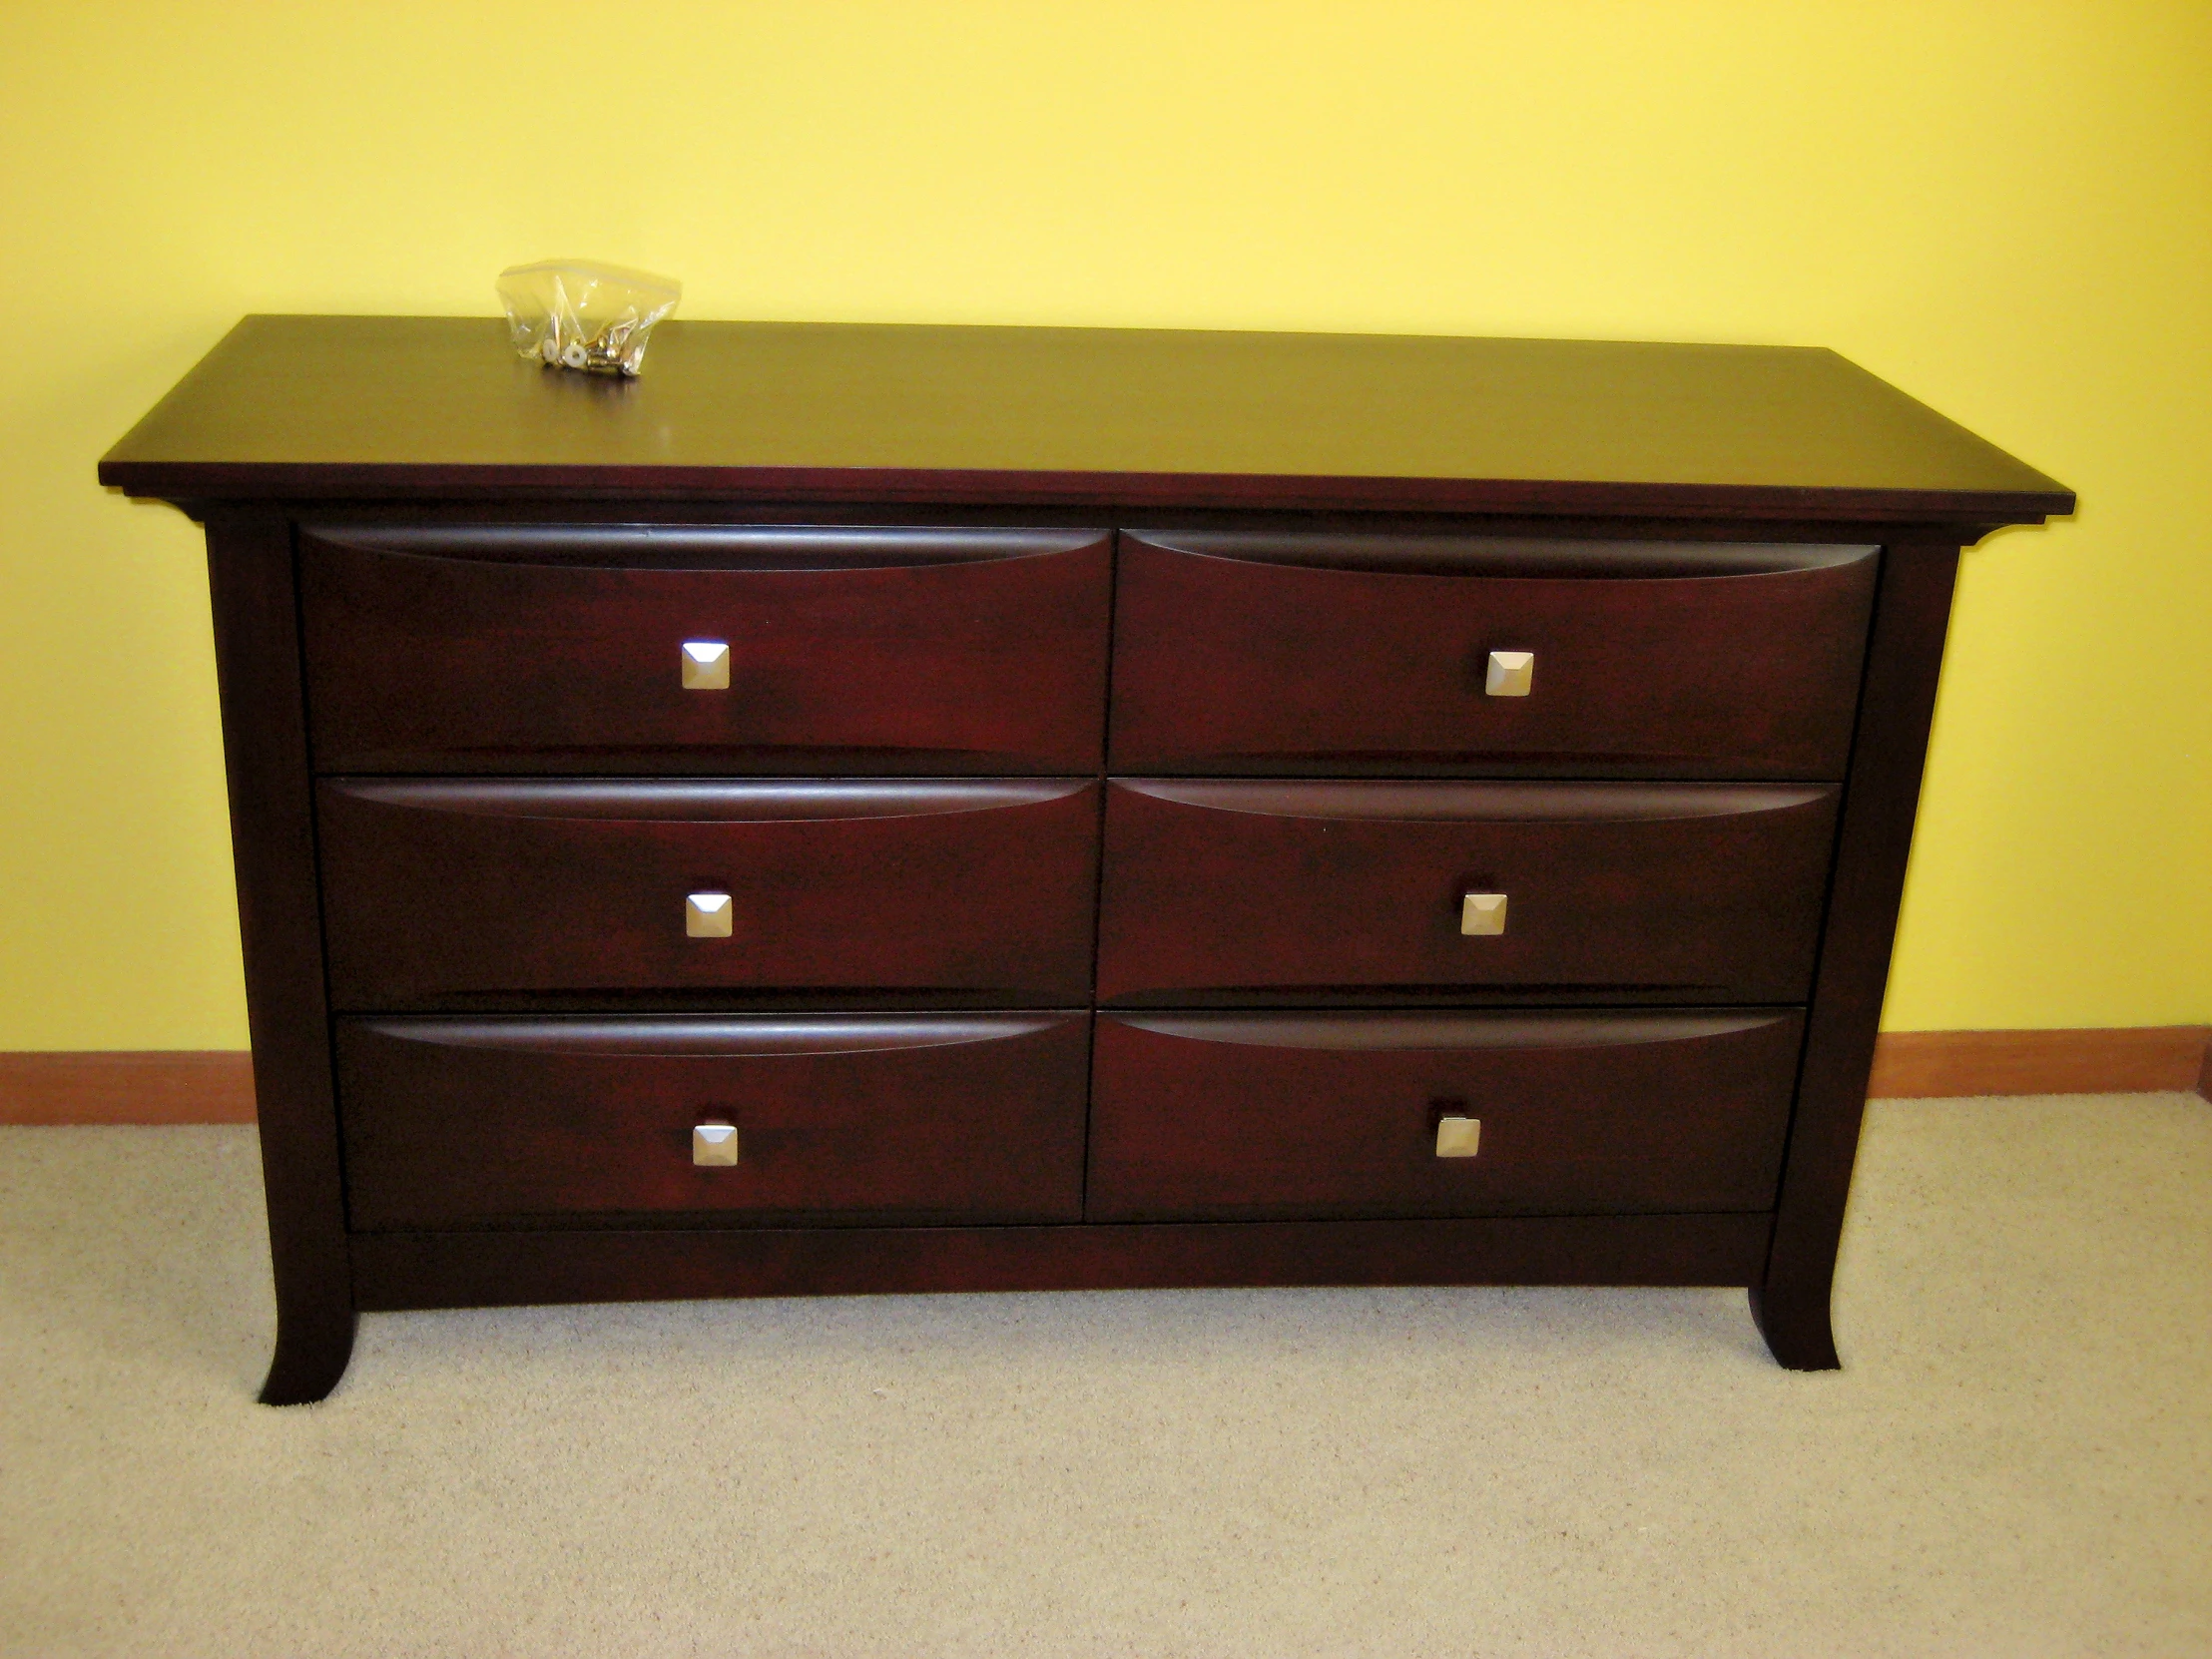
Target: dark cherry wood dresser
column 906, row 808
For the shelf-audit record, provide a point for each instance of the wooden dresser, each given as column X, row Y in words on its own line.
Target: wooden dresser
column 900, row 809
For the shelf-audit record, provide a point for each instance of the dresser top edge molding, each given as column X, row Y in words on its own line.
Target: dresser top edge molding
column 306, row 408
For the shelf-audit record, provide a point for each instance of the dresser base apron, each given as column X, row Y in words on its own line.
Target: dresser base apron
column 494, row 1269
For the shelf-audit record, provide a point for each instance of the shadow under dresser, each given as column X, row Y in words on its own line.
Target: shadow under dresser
column 906, row 809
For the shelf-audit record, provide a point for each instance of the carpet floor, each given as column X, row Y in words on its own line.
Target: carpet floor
column 2016, row 1461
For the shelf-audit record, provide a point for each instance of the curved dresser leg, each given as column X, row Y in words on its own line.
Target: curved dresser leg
column 1793, row 1320
column 311, row 1355
column 1897, row 701
column 265, row 754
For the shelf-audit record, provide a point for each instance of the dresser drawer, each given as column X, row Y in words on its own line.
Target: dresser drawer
column 838, row 1117
column 1703, row 892
column 536, row 648
column 1198, row 1116
column 1252, row 651
column 446, row 889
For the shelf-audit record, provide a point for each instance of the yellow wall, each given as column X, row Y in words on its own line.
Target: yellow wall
column 2002, row 207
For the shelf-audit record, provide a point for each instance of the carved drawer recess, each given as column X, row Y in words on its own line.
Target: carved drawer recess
column 905, row 885
column 1282, row 652
column 832, row 1118
column 537, row 648
column 1222, row 1115
column 1694, row 892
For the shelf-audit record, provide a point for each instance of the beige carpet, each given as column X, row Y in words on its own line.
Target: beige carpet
column 2017, row 1460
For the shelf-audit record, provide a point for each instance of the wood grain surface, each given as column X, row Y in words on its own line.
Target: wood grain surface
column 1220, row 1116
column 972, row 1117
column 1279, row 652
column 273, row 849
column 127, row 1086
column 557, row 649
column 1904, row 656
column 486, row 1269
column 414, row 407
column 1693, row 892
column 1923, row 1064
column 439, row 888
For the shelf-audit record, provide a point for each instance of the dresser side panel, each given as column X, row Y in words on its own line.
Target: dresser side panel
column 264, row 745
column 1881, row 795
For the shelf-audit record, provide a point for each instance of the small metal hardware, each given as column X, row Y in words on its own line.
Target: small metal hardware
column 713, row 1145
column 1458, row 1137
column 1511, row 674
column 706, row 915
column 705, row 664
column 1483, row 913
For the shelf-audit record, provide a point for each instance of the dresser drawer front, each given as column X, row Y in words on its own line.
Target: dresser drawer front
column 446, row 889
column 461, row 1123
column 540, row 648
column 1692, row 892
column 1240, row 652
column 1203, row 1116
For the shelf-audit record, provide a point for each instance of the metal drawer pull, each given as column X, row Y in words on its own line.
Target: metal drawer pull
column 1511, row 674
column 1483, row 913
column 1456, row 1137
column 706, row 665
column 706, row 915
column 713, row 1145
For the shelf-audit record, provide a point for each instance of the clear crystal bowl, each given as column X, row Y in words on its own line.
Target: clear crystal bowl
column 573, row 313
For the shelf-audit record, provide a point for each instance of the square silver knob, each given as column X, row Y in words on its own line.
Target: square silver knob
column 1511, row 673
column 706, row 915
column 1458, row 1137
column 705, row 664
column 713, row 1145
column 1483, row 913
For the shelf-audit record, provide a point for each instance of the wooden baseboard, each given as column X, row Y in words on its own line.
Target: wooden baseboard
column 2125, row 1060
column 154, row 1086
column 216, row 1085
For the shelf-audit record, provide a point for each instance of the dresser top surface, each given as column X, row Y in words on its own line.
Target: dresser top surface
column 324, row 407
